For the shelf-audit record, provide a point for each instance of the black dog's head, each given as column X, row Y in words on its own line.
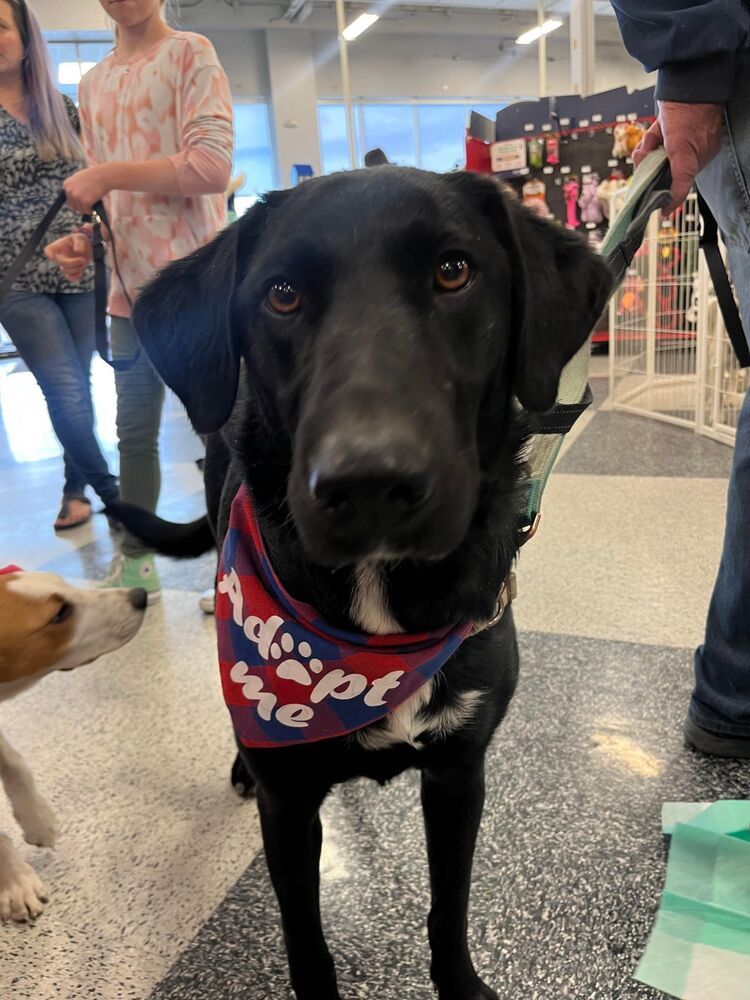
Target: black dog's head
column 387, row 318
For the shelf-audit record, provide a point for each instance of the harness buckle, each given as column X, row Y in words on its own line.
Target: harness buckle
column 528, row 531
column 508, row 593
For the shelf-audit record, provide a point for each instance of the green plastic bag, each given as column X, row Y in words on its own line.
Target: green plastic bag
column 699, row 948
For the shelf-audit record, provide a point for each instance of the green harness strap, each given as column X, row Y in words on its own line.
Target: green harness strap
column 648, row 191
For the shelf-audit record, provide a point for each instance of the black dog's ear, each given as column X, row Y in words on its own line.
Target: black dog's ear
column 183, row 319
column 559, row 289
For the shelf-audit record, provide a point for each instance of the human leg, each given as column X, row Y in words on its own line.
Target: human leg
column 719, row 714
column 43, row 337
column 140, row 396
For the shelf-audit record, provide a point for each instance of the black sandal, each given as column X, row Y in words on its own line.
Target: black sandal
column 66, row 520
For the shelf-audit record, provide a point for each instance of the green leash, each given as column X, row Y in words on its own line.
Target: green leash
column 647, row 193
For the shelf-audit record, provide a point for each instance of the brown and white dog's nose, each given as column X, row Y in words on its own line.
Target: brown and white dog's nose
column 138, row 598
column 371, row 487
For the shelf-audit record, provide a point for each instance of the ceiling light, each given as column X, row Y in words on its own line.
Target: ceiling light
column 355, row 29
column 535, row 33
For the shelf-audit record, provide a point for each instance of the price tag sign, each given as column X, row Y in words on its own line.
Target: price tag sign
column 546, row 127
column 586, row 169
column 613, row 163
column 565, row 121
column 528, row 127
column 583, row 123
column 564, row 170
column 632, row 116
column 548, row 170
column 621, row 118
column 508, row 155
column 591, row 225
column 523, row 171
column 596, row 118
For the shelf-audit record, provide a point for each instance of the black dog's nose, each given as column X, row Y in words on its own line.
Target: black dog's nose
column 138, row 598
column 373, row 485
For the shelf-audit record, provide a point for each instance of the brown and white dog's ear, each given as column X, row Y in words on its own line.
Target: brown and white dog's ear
column 559, row 289
column 184, row 321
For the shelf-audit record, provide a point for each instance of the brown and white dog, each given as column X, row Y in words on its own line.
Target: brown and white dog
column 45, row 625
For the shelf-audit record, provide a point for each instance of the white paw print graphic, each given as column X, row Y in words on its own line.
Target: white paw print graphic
column 292, row 669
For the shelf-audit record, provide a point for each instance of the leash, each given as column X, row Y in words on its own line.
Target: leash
column 648, row 192
column 99, row 219
column 709, row 243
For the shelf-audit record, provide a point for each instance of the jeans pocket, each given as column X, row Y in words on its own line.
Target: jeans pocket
column 724, row 182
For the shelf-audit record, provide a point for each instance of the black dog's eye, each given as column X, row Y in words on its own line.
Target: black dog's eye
column 62, row 615
column 283, row 297
column 453, row 272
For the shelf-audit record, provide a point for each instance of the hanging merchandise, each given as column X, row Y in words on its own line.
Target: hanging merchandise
column 627, row 135
column 591, row 209
column 553, row 150
column 607, row 188
column 534, row 196
column 571, row 192
column 535, row 153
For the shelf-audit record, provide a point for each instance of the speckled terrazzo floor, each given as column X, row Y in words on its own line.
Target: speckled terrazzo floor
column 158, row 886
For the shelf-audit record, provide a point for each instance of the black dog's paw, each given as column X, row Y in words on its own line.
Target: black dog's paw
column 242, row 781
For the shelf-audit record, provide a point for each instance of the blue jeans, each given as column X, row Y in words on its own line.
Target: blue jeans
column 721, row 699
column 54, row 334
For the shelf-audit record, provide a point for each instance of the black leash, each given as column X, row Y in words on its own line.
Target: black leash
column 709, row 243
column 99, row 217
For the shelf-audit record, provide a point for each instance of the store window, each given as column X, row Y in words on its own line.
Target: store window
column 418, row 135
column 334, row 142
column 253, row 153
column 70, row 60
column 391, row 128
column 441, row 136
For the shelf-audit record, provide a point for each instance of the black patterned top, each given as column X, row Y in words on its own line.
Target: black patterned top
column 28, row 187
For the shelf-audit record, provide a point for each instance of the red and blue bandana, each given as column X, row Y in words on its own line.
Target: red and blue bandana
column 290, row 678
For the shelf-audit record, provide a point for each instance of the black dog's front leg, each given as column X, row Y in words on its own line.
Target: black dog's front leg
column 452, row 802
column 292, row 837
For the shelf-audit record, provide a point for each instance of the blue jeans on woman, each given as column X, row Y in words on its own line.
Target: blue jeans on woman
column 721, row 699
column 54, row 335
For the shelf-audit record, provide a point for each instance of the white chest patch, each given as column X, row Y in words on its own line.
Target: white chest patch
column 370, row 611
column 409, row 722
column 369, row 604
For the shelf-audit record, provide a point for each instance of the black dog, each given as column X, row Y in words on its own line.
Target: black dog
column 361, row 342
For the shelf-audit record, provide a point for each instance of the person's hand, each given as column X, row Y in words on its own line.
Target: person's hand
column 691, row 136
column 72, row 254
column 86, row 187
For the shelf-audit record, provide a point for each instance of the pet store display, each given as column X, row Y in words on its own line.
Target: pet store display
column 534, row 196
column 571, row 190
column 565, row 157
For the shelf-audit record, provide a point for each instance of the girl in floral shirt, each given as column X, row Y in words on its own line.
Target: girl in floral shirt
column 156, row 124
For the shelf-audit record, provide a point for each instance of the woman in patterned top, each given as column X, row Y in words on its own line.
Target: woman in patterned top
column 156, row 123
column 50, row 320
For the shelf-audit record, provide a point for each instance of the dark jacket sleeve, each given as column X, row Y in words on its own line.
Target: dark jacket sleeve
column 695, row 44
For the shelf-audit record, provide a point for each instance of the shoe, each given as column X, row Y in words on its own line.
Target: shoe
column 715, row 744
column 134, row 571
column 74, row 511
column 207, row 602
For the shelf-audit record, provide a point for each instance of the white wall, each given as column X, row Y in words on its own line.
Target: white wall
column 243, row 56
column 293, row 101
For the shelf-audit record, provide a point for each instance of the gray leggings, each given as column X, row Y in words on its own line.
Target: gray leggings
column 140, row 396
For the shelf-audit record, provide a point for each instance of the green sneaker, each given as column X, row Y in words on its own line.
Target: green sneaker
column 135, row 571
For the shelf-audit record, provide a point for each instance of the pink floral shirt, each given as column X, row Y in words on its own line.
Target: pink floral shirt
column 173, row 101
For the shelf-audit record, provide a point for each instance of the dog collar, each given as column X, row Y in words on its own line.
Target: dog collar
column 290, row 678
column 10, row 569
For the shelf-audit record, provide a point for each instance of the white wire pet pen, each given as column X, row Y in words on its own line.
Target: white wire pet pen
column 669, row 354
